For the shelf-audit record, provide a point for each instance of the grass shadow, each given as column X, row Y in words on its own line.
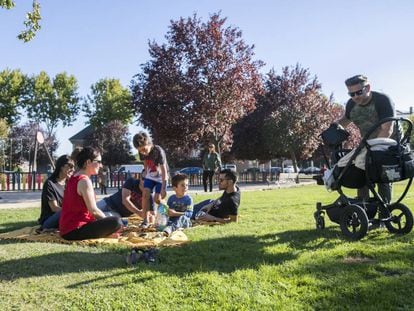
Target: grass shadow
column 59, row 264
column 11, row 226
column 223, row 255
column 308, row 239
column 354, row 280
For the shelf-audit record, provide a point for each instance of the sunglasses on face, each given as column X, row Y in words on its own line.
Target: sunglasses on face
column 357, row 93
column 70, row 165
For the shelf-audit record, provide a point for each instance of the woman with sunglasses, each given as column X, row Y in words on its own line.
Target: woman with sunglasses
column 52, row 193
column 80, row 218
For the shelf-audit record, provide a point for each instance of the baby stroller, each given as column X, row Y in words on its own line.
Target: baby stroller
column 385, row 162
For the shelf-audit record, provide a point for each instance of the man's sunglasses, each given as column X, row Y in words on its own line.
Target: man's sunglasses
column 357, row 93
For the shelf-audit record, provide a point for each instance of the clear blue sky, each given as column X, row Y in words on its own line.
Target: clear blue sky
column 334, row 39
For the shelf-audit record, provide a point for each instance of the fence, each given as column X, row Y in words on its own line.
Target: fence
column 15, row 181
column 21, row 181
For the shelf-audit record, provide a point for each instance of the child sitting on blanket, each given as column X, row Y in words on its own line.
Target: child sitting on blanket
column 180, row 205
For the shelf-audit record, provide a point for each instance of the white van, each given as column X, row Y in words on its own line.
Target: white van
column 130, row 168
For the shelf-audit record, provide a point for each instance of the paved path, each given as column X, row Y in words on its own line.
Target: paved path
column 26, row 199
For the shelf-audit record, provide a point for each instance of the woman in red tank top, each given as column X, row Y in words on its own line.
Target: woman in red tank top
column 80, row 218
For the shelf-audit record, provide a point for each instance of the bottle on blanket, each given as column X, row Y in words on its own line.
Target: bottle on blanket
column 161, row 219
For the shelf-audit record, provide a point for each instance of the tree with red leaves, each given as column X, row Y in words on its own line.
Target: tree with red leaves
column 197, row 85
column 288, row 120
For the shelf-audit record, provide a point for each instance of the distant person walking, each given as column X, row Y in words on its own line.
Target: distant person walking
column 103, row 179
column 211, row 164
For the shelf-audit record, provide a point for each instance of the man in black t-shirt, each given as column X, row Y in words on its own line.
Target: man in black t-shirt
column 366, row 108
column 227, row 205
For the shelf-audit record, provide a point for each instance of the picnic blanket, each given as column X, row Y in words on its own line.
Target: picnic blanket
column 132, row 236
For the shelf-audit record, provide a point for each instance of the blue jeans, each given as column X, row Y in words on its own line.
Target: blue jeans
column 106, row 209
column 197, row 208
column 52, row 221
column 176, row 223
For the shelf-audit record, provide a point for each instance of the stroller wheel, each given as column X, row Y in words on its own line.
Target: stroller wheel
column 401, row 219
column 320, row 223
column 354, row 222
column 319, row 219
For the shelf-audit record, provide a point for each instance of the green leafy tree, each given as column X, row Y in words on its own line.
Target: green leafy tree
column 12, row 92
column 248, row 134
column 53, row 101
column 4, row 131
column 116, row 148
column 197, row 85
column 32, row 22
column 109, row 101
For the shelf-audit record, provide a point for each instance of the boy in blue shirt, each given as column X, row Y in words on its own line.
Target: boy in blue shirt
column 180, row 205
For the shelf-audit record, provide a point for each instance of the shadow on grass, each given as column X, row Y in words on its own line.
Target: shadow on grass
column 308, row 239
column 57, row 263
column 11, row 226
column 223, row 255
column 362, row 282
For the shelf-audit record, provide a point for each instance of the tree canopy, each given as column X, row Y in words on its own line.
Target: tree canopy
column 13, row 89
column 109, row 101
column 4, row 129
column 288, row 120
column 32, row 22
column 116, row 146
column 52, row 101
column 197, row 85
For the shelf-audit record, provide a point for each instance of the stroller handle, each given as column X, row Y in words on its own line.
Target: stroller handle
column 407, row 132
column 405, row 139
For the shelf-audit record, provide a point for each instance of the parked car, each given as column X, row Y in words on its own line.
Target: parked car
column 310, row 170
column 192, row 170
column 130, row 168
column 231, row 167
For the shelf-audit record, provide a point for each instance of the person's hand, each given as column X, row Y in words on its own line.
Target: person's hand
column 226, row 220
column 163, row 194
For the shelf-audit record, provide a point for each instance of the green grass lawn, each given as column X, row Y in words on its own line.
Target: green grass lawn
column 273, row 259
